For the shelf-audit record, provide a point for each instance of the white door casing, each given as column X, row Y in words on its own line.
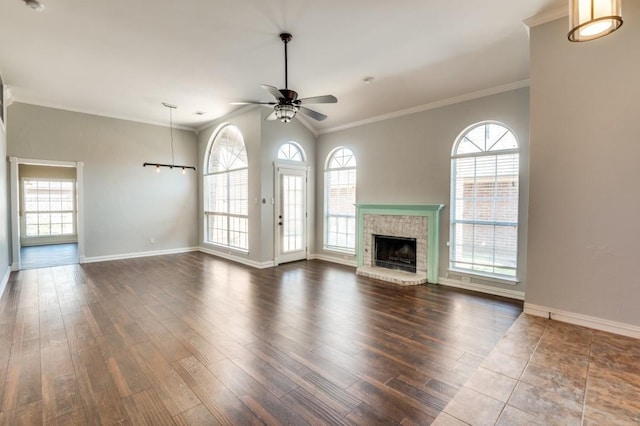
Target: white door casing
column 291, row 220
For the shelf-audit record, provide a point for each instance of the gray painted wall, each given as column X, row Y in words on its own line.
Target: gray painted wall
column 262, row 140
column 408, row 160
column 125, row 204
column 584, row 243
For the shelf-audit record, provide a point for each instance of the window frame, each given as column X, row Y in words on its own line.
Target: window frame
column 303, row 155
column 210, row 215
column 327, row 216
column 453, row 221
column 73, row 211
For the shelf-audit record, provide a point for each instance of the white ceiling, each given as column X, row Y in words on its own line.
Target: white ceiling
column 124, row 58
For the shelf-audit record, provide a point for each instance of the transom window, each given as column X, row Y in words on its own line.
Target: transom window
column 340, row 199
column 484, row 201
column 226, row 190
column 291, row 151
column 49, row 207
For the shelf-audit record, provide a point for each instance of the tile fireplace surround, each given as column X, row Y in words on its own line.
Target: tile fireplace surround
column 419, row 221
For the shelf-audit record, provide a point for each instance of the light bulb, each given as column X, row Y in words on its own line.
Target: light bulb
column 184, row 172
column 596, row 28
column 157, row 169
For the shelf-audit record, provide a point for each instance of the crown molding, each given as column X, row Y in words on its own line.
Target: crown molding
column 26, row 100
column 548, row 16
column 211, row 123
column 249, row 107
column 433, row 105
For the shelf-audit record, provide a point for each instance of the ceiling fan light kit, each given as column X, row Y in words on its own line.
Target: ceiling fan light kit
column 592, row 19
column 285, row 113
column 288, row 104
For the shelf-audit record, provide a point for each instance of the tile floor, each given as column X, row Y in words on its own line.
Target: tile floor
column 548, row 372
column 32, row 257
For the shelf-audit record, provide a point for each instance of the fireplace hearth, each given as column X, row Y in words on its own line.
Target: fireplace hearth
column 395, row 253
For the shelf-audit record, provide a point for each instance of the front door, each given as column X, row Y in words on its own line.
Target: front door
column 291, row 214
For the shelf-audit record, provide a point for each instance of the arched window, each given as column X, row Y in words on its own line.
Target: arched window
column 484, row 201
column 226, row 190
column 340, row 197
column 291, row 151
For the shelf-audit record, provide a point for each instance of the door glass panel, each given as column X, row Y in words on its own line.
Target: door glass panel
column 292, row 213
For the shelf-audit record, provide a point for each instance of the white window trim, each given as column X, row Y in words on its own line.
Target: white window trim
column 303, row 154
column 500, row 279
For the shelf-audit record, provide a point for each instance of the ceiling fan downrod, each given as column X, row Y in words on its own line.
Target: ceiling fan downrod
column 286, row 38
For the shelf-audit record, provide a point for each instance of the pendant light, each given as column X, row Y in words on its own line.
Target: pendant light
column 173, row 163
column 592, row 19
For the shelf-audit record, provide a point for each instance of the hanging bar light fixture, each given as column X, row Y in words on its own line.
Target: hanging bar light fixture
column 592, row 19
column 173, row 164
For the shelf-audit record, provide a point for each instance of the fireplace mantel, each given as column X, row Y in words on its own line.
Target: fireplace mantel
column 430, row 211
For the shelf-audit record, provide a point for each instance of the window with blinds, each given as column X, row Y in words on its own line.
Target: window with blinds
column 484, row 201
column 340, row 199
column 49, row 207
column 226, row 190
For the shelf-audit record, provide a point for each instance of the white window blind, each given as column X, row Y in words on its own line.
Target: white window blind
column 226, row 190
column 340, row 199
column 484, row 201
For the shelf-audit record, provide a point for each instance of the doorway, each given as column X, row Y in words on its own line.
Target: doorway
column 46, row 213
column 290, row 213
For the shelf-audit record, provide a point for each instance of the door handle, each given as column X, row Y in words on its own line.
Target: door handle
column 280, row 223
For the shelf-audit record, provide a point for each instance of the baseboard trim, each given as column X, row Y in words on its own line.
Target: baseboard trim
column 596, row 323
column 238, row 259
column 345, row 262
column 5, row 281
column 136, row 255
column 482, row 288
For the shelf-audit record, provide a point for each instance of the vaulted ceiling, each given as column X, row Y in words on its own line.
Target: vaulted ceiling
column 124, row 58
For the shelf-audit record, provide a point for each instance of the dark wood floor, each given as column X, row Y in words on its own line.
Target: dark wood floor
column 192, row 339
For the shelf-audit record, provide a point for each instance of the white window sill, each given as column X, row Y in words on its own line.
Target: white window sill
column 499, row 279
column 339, row 250
column 221, row 247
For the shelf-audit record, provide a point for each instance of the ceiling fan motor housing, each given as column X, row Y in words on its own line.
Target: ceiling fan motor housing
column 289, row 96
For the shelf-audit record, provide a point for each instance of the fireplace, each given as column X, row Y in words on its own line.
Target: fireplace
column 413, row 256
column 395, row 253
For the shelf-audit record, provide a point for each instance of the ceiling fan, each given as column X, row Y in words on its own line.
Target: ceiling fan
column 288, row 104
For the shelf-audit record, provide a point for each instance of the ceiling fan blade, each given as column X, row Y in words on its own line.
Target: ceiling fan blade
column 252, row 103
column 325, row 99
column 273, row 90
column 271, row 116
column 313, row 114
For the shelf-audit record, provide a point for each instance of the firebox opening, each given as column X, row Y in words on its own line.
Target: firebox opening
column 395, row 253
